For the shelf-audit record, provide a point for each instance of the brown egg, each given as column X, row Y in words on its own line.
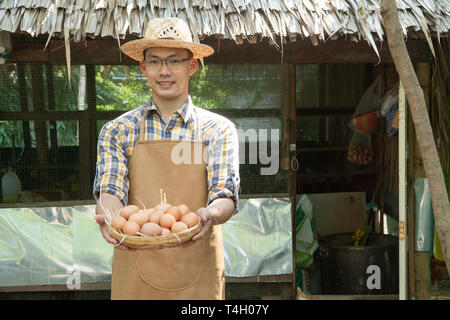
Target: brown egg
column 148, row 212
column 183, row 209
column 140, row 218
column 190, row 219
column 155, row 216
column 118, row 222
column 167, row 220
column 151, row 229
column 178, row 227
column 162, row 207
column 173, row 210
column 165, row 231
column 127, row 211
column 131, row 228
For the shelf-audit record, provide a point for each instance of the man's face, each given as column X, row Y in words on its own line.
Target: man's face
column 169, row 80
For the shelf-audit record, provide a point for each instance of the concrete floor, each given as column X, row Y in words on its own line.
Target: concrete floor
column 441, row 290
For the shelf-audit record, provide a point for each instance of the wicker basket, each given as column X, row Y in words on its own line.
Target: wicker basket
column 157, row 242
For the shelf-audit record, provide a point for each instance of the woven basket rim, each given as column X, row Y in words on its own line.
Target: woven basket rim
column 156, row 242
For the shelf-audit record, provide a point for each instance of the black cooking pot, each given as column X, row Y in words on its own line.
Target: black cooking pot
column 363, row 270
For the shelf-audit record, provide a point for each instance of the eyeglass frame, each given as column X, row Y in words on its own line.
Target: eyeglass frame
column 161, row 61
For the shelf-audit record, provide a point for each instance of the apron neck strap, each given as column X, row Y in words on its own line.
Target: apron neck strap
column 199, row 128
column 142, row 126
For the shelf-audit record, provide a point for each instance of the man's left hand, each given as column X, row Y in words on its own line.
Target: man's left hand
column 208, row 216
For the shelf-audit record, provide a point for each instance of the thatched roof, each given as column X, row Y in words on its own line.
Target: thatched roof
column 318, row 20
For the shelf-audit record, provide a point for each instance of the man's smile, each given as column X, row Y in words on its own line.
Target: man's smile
column 165, row 84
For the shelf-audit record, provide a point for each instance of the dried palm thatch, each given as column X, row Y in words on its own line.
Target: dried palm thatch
column 278, row 20
column 229, row 19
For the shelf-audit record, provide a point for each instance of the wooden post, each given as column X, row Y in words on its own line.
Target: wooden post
column 92, row 108
column 292, row 171
column 51, row 105
column 40, row 123
column 422, row 258
column 323, row 100
column 411, row 209
column 85, row 137
column 285, row 87
column 24, row 103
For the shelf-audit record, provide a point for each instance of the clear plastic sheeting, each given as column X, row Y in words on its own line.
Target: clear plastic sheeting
column 424, row 216
column 63, row 245
column 49, row 246
column 258, row 240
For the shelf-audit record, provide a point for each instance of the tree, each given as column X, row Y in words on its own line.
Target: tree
column 414, row 94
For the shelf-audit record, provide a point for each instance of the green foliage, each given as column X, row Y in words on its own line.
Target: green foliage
column 9, row 129
column 234, row 86
column 121, row 87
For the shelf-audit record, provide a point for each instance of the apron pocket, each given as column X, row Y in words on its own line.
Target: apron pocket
column 172, row 269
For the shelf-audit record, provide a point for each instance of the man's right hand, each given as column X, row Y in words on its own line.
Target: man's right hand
column 114, row 204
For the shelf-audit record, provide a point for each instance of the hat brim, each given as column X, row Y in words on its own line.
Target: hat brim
column 135, row 48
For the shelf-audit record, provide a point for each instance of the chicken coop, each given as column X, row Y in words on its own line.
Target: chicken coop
column 291, row 75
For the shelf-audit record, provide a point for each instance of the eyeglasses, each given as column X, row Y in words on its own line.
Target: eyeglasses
column 173, row 64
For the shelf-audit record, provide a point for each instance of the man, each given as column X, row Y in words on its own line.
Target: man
column 136, row 159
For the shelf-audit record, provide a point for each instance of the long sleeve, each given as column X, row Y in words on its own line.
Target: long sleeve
column 223, row 164
column 112, row 163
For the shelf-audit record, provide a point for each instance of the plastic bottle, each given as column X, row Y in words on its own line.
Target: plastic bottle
column 11, row 187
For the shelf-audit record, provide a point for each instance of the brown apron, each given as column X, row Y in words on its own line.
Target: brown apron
column 194, row 272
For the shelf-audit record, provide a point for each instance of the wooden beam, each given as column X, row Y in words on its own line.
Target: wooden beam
column 258, row 279
column 28, row 50
column 106, row 51
column 325, row 111
column 303, row 51
column 99, row 51
column 107, row 115
column 281, row 278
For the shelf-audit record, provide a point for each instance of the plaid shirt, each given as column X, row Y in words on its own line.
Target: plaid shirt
column 117, row 138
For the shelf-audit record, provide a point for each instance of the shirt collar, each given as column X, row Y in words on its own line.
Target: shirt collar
column 185, row 111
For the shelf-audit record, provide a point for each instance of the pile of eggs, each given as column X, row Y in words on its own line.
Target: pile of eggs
column 162, row 220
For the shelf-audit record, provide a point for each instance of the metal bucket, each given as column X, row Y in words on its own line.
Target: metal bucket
column 371, row 269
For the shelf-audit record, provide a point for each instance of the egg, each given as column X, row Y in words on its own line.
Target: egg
column 183, row 209
column 190, row 219
column 178, row 227
column 140, row 218
column 167, row 220
column 148, row 212
column 162, row 207
column 151, row 229
column 173, row 210
column 155, row 216
column 131, row 228
column 129, row 210
column 118, row 222
column 165, row 231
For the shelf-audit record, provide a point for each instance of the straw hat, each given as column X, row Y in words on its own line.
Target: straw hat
column 169, row 33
